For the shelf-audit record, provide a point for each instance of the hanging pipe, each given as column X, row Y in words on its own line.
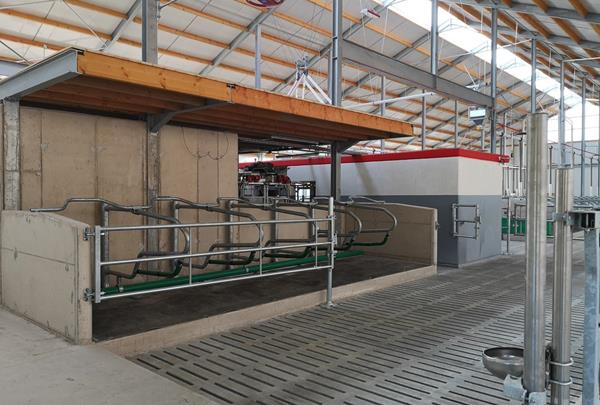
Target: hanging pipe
column 266, row 268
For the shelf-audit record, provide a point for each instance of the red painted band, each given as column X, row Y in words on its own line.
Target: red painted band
column 383, row 157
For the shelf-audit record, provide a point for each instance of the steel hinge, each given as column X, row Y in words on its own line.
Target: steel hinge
column 88, row 295
column 87, row 233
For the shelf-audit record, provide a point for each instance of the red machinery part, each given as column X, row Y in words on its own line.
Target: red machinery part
column 265, row 3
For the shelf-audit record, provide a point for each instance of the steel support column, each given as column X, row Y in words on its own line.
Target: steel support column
column 494, row 81
column 434, row 37
column 382, row 109
column 562, row 118
column 336, row 53
column 150, row 31
column 583, row 116
column 562, row 284
column 456, row 123
column 257, row 56
column 382, row 106
column 533, row 83
column 12, row 153
column 534, row 375
column 423, row 122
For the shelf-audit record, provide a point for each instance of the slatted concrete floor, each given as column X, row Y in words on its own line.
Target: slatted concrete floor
column 417, row 343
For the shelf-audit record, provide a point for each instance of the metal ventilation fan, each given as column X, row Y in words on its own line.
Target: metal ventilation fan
column 264, row 3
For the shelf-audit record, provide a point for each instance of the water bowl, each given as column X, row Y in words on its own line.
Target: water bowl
column 503, row 361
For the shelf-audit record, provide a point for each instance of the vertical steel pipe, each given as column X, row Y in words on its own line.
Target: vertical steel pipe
column 257, row 56
column 382, row 107
column 561, row 297
column 434, row 37
column 423, row 122
column 382, row 96
column 494, row 80
column 533, row 84
column 336, row 53
column 534, row 376
column 582, row 168
column 456, row 123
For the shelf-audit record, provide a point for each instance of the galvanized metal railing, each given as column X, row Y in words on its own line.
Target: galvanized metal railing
column 100, row 232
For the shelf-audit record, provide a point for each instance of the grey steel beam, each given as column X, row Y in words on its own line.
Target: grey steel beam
column 118, row 31
column 237, row 41
column 150, row 31
column 156, row 122
column 405, row 73
column 325, row 50
column 423, row 39
column 518, row 7
column 55, row 69
column 8, row 68
column 551, row 39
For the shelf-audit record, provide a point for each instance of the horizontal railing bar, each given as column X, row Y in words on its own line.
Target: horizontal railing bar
column 214, row 253
column 212, row 224
column 204, row 283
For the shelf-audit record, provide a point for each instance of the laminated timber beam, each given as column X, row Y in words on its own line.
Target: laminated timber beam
column 405, row 73
column 96, row 81
column 520, row 7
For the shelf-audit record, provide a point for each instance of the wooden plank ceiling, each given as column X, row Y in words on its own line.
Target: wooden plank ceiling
column 124, row 87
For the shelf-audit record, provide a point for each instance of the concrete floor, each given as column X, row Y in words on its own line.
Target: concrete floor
column 415, row 343
column 131, row 315
column 40, row 368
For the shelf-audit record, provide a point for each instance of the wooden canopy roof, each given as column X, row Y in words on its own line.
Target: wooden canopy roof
column 95, row 82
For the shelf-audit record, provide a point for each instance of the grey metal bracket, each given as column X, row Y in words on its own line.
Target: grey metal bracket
column 584, row 220
column 157, row 121
column 88, row 295
column 341, row 146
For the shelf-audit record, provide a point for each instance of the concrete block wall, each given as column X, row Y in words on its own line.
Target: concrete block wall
column 413, row 239
column 66, row 154
column 46, row 266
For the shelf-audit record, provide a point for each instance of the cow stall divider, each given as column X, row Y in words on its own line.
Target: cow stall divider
column 333, row 228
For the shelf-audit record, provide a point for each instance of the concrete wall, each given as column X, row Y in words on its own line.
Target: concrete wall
column 46, row 265
column 414, row 239
column 65, row 154
column 428, row 182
